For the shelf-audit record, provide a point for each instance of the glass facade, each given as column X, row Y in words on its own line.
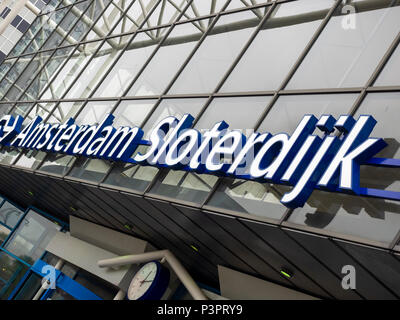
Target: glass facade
column 258, row 65
column 23, row 239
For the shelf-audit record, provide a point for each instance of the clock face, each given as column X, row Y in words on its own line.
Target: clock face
column 142, row 281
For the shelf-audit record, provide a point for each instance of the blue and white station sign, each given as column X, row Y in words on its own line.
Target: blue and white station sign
column 327, row 159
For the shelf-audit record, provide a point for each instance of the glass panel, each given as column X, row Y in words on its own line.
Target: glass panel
column 216, row 53
column 172, row 107
column 133, row 17
column 5, row 108
column 131, row 61
column 165, row 13
column 131, row 176
column 94, row 112
column 30, row 288
column 239, row 112
column 46, row 31
column 30, row 159
column 99, row 66
column 86, row 21
column 199, row 8
column 234, row 4
column 57, row 164
column 132, row 113
column 40, row 109
column 250, row 197
column 384, row 107
column 288, row 111
column 4, row 232
column 63, row 29
column 64, row 111
column 277, row 46
column 46, row 73
column 8, row 155
column 21, row 109
column 9, row 214
column 90, row 169
column 170, row 56
column 13, row 74
column 11, row 272
column 5, row 66
column 186, row 186
column 32, row 236
column 69, row 71
column 372, row 219
column 350, row 47
column 389, row 75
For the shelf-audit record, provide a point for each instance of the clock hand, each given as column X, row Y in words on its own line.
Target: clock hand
column 141, row 282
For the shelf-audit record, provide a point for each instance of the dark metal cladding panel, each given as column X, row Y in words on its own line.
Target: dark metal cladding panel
column 335, row 258
column 380, row 263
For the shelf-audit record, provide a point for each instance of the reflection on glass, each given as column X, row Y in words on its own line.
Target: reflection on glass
column 4, row 232
column 69, row 71
column 126, row 68
column 250, row 197
column 131, row 176
column 389, row 76
column 372, row 219
column 63, row 111
column 288, row 111
column 169, row 57
column 132, row 113
column 90, row 169
column 47, row 69
column 200, row 8
column 27, row 75
column 94, row 112
column 239, row 112
column 5, row 108
column 30, row 288
column 185, row 186
column 30, row 159
column 384, row 107
column 32, row 236
column 9, row 214
column 11, row 273
column 213, row 58
column 13, row 74
column 349, row 48
column 277, row 46
column 172, row 107
column 57, row 164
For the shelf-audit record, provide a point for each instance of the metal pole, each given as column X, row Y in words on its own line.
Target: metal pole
column 174, row 263
column 46, row 284
column 120, row 295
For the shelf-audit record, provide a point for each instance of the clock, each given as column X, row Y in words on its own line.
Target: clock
column 149, row 283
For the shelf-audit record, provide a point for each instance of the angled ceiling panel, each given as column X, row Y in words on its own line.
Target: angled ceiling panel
column 255, row 264
column 269, row 254
column 335, row 258
column 299, row 257
column 380, row 263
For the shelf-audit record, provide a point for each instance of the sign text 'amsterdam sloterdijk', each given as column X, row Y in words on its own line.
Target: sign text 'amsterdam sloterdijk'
column 314, row 156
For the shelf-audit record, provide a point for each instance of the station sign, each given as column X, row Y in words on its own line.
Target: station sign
column 324, row 153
